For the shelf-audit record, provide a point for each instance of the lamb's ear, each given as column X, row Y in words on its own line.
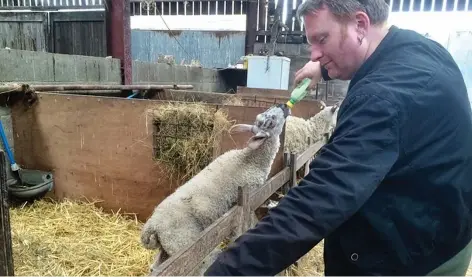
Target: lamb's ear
column 239, row 128
column 323, row 105
column 334, row 108
column 257, row 140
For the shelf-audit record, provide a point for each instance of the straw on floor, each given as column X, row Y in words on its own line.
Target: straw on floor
column 76, row 239
column 311, row 264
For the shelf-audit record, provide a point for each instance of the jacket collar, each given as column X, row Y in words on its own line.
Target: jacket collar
column 375, row 57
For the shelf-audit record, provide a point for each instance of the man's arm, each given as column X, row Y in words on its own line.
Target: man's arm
column 342, row 177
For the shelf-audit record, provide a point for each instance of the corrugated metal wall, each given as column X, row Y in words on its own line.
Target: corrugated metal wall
column 211, row 48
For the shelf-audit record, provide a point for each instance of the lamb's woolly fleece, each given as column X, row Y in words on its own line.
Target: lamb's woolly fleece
column 180, row 218
column 298, row 130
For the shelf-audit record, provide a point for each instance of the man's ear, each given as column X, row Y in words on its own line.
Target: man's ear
column 256, row 141
column 239, row 128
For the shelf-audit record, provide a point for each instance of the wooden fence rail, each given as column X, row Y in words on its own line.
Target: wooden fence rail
column 6, row 253
column 236, row 220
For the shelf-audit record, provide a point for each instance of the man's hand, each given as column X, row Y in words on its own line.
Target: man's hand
column 311, row 70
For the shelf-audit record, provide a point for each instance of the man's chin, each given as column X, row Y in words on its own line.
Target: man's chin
column 336, row 75
column 333, row 74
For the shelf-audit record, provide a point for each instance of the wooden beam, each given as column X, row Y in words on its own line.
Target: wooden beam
column 6, row 254
column 251, row 27
column 16, row 87
column 236, row 219
column 289, row 19
column 308, row 154
column 244, row 210
column 293, row 170
column 287, row 162
column 188, row 258
column 271, row 186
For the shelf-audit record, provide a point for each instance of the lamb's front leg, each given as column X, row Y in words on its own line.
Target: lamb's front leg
column 160, row 258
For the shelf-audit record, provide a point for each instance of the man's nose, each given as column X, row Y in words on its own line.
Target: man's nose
column 316, row 53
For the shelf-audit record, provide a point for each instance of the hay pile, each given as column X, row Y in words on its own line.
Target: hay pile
column 311, row 264
column 233, row 100
column 76, row 239
column 186, row 135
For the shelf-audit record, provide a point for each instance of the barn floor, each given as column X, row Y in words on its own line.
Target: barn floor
column 76, row 239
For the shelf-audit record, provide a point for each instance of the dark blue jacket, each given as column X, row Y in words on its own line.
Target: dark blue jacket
column 391, row 191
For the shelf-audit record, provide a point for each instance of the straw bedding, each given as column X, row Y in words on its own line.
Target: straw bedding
column 233, row 100
column 311, row 264
column 186, row 135
column 71, row 238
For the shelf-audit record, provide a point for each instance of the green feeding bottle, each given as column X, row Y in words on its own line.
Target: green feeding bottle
column 299, row 92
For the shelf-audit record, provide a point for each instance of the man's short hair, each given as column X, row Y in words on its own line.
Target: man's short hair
column 376, row 10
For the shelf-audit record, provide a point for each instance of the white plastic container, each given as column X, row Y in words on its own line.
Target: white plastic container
column 276, row 76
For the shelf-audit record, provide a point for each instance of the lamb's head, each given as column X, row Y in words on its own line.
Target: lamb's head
column 268, row 124
column 329, row 113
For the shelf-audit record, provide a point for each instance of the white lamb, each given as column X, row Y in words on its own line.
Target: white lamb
column 180, row 218
column 298, row 130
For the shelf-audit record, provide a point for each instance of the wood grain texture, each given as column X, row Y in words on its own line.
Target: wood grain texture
column 6, row 253
column 101, row 148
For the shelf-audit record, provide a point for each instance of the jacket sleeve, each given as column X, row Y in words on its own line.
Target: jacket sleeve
column 347, row 170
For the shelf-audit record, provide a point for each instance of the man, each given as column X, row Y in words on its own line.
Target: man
column 391, row 190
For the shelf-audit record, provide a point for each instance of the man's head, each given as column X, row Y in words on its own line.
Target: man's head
column 343, row 33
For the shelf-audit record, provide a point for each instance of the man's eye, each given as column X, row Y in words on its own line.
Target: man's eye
column 322, row 40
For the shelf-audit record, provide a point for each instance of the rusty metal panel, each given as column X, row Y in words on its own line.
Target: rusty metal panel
column 119, row 37
column 211, row 48
column 79, row 33
column 23, row 31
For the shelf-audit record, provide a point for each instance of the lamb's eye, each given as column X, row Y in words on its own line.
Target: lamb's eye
column 273, row 116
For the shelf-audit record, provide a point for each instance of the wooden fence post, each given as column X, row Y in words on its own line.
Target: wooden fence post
column 293, row 169
column 6, row 254
column 244, row 220
column 307, row 164
column 287, row 162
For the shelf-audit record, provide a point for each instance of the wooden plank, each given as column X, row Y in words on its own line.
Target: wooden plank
column 71, row 33
column 190, row 257
column 6, row 254
column 102, row 148
column 238, row 218
column 245, row 91
column 244, row 222
column 251, row 26
column 23, row 31
column 16, row 87
column 293, row 170
column 286, row 186
column 308, row 154
column 271, row 186
column 190, row 95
